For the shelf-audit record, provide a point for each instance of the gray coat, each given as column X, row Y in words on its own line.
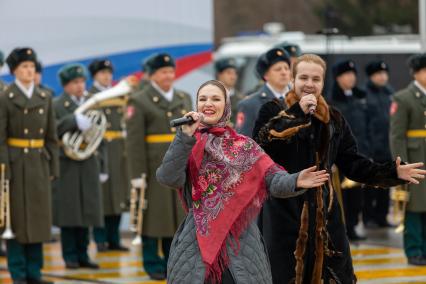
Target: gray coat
column 185, row 265
column 248, row 110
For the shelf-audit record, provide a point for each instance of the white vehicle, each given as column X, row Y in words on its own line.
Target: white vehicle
column 392, row 49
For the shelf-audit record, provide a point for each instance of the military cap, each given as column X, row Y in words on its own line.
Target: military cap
column 158, row 61
column 1, row 58
column 376, row 66
column 70, row 72
column 417, row 62
column 38, row 67
column 144, row 63
column 19, row 55
column 343, row 66
column 269, row 58
column 225, row 63
column 100, row 64
column 292, row 49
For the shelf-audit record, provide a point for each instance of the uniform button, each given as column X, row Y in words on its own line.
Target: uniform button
column 11, row 95
column 169, row 114
column 66, row 104
column 41, row 111
column 173, row 129
column 41, row 130
column 26, row 150
column 108, row 111
column 183, row 112
column 43, row 95
column 26, row 131
column 424, row 113
column 155, row 99
column 25, row 111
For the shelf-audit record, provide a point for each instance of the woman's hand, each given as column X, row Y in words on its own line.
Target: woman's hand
column 310, row 178
column 190, row 129
column 410, row 172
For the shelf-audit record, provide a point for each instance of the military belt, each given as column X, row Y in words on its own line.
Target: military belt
column 112, row 135
column 159, row 138
column 25, row 143
column 416, row 133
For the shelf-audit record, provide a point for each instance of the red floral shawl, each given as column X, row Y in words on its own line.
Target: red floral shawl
column 227, row 173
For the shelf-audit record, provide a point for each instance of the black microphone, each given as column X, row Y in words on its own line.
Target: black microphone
column 181, row 121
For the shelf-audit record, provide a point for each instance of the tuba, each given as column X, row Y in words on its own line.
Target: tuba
column 80, row 145
column 5, row 205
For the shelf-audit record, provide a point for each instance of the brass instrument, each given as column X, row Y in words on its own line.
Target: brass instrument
column 5, row 205
column 80, row 145
column 348, row 183
column 400, row 197
column 137, row 205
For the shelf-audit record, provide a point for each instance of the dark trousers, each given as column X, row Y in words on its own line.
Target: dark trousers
column 415, row 234
column 376, row 205
column 110, row 234
column 24, row 261
column 352, row 202
column 75, row 243
column 152, row 262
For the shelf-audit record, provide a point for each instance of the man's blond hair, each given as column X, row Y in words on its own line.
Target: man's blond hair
column 311, row 58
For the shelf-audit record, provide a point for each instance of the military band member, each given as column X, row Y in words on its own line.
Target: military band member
column 379, row 98
column 28, row 148
column 226, row 72
column 149, row 136
column 115, row 186
column 352, row 102
column 39, row 79
column 274, row 68
column 77, row 196
column 408, row 140
column 2, row 84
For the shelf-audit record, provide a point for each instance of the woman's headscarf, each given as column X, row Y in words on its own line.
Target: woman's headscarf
column 227, row 172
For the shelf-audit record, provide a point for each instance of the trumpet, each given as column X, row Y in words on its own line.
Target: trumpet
column 5, row 205
column 137, row 205
column 400, row 197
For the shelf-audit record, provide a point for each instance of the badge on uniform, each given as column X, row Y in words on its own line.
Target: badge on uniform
column 240, row 119
column 130, row 111
column 393, row 108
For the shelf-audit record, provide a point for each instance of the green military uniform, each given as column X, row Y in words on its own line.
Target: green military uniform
column 77, row 196
column 408, row 140
column 28, row 148
column 115, row 190
column 149, row 136
column 3, row 86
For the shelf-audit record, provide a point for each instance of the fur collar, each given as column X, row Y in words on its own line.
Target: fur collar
column 322, row 112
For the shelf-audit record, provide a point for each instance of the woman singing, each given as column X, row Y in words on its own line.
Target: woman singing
column 223, row 178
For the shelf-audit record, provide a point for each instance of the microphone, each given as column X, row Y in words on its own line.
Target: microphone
column 312, row 108
column 181, row 121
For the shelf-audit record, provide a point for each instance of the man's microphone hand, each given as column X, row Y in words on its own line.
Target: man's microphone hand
column 308, row 104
